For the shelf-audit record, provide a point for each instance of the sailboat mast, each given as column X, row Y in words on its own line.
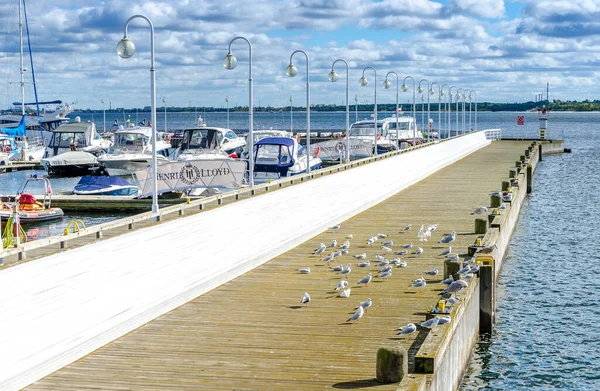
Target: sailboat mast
column 21, row 69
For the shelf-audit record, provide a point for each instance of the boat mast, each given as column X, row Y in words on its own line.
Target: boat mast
column 22, row 71
column 37, row 105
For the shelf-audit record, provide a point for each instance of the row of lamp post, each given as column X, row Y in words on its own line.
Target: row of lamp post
column 126, row 49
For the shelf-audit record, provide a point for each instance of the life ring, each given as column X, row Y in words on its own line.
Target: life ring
column 298, row 137
column 378, row 136
column 317, row 150
column 168, row 138
column 7, row 148
column 340, row 136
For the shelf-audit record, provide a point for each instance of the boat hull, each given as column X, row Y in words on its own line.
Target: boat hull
column 32, row 217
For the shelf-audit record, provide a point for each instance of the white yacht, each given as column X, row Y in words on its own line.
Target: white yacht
column 279, row 157
column 209, row 143
column 365, row 131
column 407, row 129
column 132, row 151
column 73, row 149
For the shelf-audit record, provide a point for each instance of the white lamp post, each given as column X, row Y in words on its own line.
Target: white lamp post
column 229, row 62
column 404, row 89
column 468, row 96
column 291, row 114
column 126, row 49
column 165, row 105
column 363, row 82
column 333, row 76
column 431, row 91
column 458, row 96
column 104, row 115
column 292, row 71
column 446, row 114
column 420, row 90
column 356, row 108
column 475, row 92
column 386, row 85
column 450, row 112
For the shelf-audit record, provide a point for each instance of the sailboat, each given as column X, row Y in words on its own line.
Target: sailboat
column 29, row 148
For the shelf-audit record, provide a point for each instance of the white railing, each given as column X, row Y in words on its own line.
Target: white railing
column 493, row 134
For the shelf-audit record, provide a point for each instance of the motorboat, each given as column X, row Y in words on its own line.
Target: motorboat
column 209, row 143
column 279, row 157
column 105, row 185
column 132, row 151
column 29, row 208
column 73, row 149
column 8, row 150
column 365, row 130
column 14, row 141
column 259, row 134
column 407, row 130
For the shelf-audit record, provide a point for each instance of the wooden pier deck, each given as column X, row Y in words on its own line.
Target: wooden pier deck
column 252, row 333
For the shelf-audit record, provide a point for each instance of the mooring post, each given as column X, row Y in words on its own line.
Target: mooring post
column 529, row 178
column 540, row 152
column 451, row 268
column 505, row 185
column 486, row 298
column 392, row 364
column 495, row 201
column 481, row 225
column 512, row 174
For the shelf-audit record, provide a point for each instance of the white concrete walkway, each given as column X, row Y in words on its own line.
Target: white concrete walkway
column 57, row 309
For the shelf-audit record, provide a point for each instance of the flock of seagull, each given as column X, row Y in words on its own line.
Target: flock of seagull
column 386, row 266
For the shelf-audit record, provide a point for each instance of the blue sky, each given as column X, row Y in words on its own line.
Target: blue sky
column 504, row 50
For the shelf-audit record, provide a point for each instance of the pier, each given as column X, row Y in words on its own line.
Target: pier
column 213, row 301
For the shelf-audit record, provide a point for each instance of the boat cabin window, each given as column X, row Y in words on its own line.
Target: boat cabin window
column 364, row 130
column 202, row 138
column 65, row 139
column 230, row 135
column 401, row 125
column 129, row 140
column 273, row 154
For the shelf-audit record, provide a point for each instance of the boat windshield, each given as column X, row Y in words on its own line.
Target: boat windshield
column 130, row 141
column 273, row 154
column 201, row 139
column 401, row 125
column 66, row 139
column 364, row 130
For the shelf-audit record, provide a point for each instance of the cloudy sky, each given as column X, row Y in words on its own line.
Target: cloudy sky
column 504, row 50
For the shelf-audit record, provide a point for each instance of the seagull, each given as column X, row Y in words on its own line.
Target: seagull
column 386, row 249
column 364, row 264
column 305, row 298
column 448, row 239
column 456, row 286
column 452, row 257
column 487, row 250
column 394, row 261
column 345, row 293
column 337, row 268
column 448, row 280
column 432, row 227
column 366, row 279
column 447, row 251
column 333, row 243
column 388, row 243
column 408, row 329
column 502, row 207
column 474, row 269
column 421, row 234
column 418, row 251
column 341, row 285
column 407, row 245
column 370, row 241
column 379, row 257
column 385, row 274
column 401, row 252
column 386, row 269
column 349, row 236
column 338, row 253
column 360, row 256
column 366, row 304
column 345, row 245
column 433, row 272
column 407, row 228
column 381, row 236
column 431, row 323
column 479, row 211
column 464, row 270
column 496, row 194
column 419, row 283
column 337, row 226
column 358, row 314
column 452, row 300
column 467, row 276
column 507, row 198
column 306, row 270
column 328, row 258
column 346, row 270
column 402, row 264
column 383, row 263
column 320, row 249
column 444, row 320
column 344, row 251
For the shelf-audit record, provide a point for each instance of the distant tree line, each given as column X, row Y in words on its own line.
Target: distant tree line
column 556, row 105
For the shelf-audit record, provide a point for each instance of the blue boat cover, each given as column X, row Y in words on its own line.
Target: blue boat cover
column 100, row 182
column 276, row 141
column 18, row 131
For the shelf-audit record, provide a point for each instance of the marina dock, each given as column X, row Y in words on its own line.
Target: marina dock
column 223, row 311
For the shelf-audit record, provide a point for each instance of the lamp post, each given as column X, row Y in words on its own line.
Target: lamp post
column 431, row 91
column 450, row 111
column 469, row 97
column 227, row 102
column 446, row 114
column 420, row 90
column 104, row 114
column 386, row 85
column 229, row 62
column 126, row 49
column 363, row 82
column 458, row 95
column 292, row 71
column 291, row 114
column 404, row 89
column 355, row 108
column 475, row 92
column 333, row 76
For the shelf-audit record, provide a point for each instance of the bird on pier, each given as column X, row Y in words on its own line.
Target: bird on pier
column 448, row 238
column 341, row 285
column 388, row 243
column 381, row 236
column 479, row 211
column 337, row 268
column 431, row 323
column 408, row 329
column 349, row 236
column 407, row 245
column 366, row 279
column 328, row 258
column 455, row 287
column 418, row 251
column 448, row 280
column 360, row 256
column 419, row 283
column 345, row 245
column 453, row 257
column 335, row 227
column 402, row 264
column 386, row 249
column 364, row 264
column 487, row 250
column 433, row 272
column 305, row 298
column 366, row 304
column 346, row 270
column 447, row 251
column 444, row 320
column 358, row 314
column 345, row 293
column 385, row 274
column 407, row 228
column 386, row 269
column 320, row 249
column 371, row 240
column 401, row 252
column 333, row 243
column 305, row 270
